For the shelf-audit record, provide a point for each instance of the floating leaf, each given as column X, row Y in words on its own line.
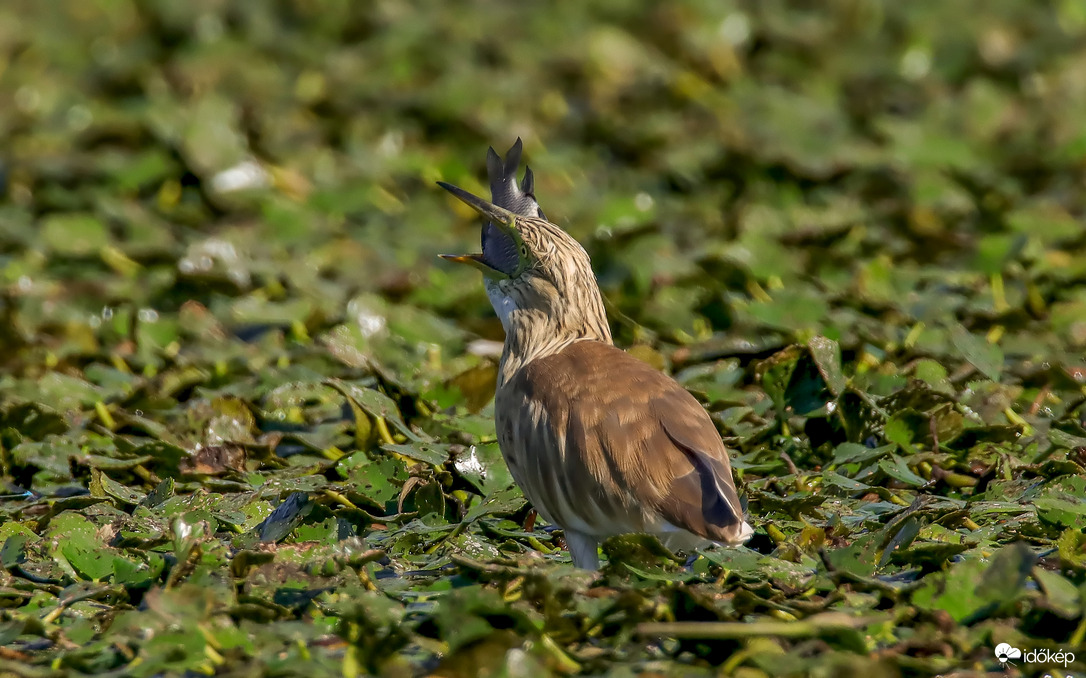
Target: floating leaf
column 287, row 516
column 827, row 355
column 973, row 590
column 376, row 405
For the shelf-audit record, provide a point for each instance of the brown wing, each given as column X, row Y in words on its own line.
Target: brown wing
column 603, row 443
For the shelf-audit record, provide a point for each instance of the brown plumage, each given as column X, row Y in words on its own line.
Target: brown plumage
column 604, row 444
column 600, row 442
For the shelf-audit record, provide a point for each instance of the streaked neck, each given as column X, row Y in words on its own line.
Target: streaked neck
column 532, row 333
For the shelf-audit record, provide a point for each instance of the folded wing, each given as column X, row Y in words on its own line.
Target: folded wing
column 607, row 444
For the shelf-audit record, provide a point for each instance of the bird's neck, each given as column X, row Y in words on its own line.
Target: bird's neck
column 532, row 333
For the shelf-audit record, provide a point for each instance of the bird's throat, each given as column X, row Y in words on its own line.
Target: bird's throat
column 532, row 333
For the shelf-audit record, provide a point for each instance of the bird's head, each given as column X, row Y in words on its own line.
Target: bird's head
column 534, row 270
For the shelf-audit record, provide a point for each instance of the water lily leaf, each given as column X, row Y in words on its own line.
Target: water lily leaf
column 51, row 457
column 468, row 615
column 1071, row 546
column 378, row 481
column 476, row 385
column 75, row 235
column 776, row 373
column 1062, row 596
column 163, row 491
column 503, row 502
column 167, row 456
column 214, row 460
column 903, row 427
column 896, row 468
column 973, row 590
column 793, row 505
column 287, row 516
column 928, row 554
column 1061, row 503
column 325, row 531
column 791, row 309
column 435, row 454
column 378, row 405
column 1065, row 440
column 32, row 420
column 643, row 551
column 858, row 558
column 135, row 575
column 233, row 422
column 853, row 453
column 104, row 486
column 827, row 356
column 903, row 533
column 934, row 375
column 658, row 575
column 1062, row 512
column 794, row 381
column 1006, row 574
column 78, row 541
column 837, row 480
column 11, row 553
column 429, row 501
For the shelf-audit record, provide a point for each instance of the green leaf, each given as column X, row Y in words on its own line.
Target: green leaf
column 896, row 468
column 1071, row 546
column 972, row 590
column 378, row 405
column 287, row 516
column 435, row 454
column 900, row 431
column 380, row 481
column 854, row 453
column 76, row 235
column 78, row 540
column 1065, row 440
column 827, row 355
column 848, row 484
column 1062, row 596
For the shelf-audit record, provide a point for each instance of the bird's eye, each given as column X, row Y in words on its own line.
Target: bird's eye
column 499, row 250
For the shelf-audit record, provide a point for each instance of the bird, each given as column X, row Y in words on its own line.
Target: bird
column 600, row 443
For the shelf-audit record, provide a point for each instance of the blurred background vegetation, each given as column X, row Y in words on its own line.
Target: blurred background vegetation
column 219, row 295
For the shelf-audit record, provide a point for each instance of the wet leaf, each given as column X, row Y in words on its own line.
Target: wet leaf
column 973, row 590
column 377, row 405
column 287, row 516
column 827, row 356
column 78, row 542
column 1061, row 594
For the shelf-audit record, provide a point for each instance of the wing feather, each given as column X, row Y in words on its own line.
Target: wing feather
column 603, row 443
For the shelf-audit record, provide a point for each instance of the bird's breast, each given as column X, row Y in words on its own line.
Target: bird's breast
column 555, row 479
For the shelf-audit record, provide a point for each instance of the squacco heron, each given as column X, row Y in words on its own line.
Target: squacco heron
column 599, row 442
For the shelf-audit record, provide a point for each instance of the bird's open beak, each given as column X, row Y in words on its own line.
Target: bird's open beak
column 497, row 215
column 500, row 217
column 475, row 260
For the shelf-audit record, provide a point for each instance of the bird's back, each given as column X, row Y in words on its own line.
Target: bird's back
column 603, row 444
